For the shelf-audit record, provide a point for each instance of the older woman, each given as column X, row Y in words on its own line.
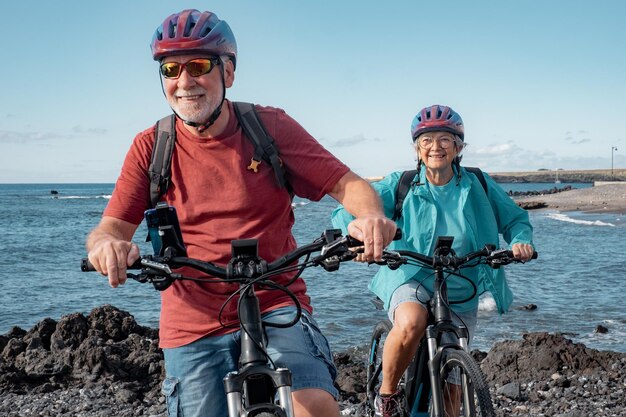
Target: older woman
column 445, row 199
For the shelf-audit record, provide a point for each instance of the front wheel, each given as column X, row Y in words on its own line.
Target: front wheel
column 375, row 364
column 465, row 391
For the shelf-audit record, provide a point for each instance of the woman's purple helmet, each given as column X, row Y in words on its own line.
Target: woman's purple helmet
column 193, row 32
column 437, row 118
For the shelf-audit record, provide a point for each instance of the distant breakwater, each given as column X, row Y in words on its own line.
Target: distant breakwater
column 533, row 205
column 571, row 176
column 552, row 190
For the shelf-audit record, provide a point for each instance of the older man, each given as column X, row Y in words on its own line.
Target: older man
column 219, row 199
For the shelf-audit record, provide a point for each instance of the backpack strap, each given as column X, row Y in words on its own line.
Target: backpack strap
column 265, row 149
column 264, row 145
column 159, row 171
column 479, row 174
column 404, row 185
column 406, row 182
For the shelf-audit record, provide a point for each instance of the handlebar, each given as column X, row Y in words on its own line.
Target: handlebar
column 489, row 255
column 245, row 265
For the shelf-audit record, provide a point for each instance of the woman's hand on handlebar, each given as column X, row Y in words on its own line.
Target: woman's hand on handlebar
column 111, row 257
column 522, row 251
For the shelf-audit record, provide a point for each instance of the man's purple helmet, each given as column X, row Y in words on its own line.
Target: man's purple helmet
column 437, row 118
column 193, row 32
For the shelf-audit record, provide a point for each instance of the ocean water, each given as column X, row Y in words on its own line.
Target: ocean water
column 578, row 282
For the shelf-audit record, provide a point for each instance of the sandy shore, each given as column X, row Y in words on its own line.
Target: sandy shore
column 605, row 198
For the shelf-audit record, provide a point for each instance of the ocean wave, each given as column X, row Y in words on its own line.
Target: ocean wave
column 82, row 197
column 564, row 218
column 297, row 204
column 487, row 304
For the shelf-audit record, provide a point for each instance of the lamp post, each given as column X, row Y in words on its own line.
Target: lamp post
column 613, row 149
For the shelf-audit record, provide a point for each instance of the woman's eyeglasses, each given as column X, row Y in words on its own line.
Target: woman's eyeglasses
column 445, row 142
column 195, row 67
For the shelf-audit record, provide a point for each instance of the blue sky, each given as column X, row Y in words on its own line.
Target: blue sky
column 539, row 84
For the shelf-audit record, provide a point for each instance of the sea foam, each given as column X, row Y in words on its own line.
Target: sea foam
column 564, row 218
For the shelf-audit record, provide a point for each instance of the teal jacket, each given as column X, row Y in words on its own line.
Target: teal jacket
column 487, row 215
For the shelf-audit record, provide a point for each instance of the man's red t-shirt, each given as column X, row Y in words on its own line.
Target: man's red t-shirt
column 218, row 200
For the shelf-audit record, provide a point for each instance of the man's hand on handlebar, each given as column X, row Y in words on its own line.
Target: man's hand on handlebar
column 522, row 251
column 375, row 232
column 111, row 257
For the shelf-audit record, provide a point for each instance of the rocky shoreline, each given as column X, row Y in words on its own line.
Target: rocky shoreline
column 105, row 364
column 606, row 198
column 550, row 176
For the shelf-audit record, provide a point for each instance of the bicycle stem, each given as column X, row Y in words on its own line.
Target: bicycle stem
column 251, row 328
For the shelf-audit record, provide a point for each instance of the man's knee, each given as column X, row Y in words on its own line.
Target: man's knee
column 313, row 402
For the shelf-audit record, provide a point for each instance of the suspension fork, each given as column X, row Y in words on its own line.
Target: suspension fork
column 253, row 362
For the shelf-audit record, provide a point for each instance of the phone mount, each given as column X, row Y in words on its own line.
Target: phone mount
column 169, row 232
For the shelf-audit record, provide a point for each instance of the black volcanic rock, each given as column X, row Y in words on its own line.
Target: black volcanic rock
column 106, row 364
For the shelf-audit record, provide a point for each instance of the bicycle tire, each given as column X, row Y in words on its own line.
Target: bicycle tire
column 375, row 363
column 475, row 398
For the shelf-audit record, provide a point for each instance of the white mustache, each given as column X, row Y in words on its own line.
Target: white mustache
column 189, row 93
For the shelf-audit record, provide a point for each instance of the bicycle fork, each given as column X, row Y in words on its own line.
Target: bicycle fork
column 254, row 387
column 254, row 382
column 436, row 356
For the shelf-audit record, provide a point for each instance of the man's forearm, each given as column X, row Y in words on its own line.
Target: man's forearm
column 357, row 196
column 110, row 228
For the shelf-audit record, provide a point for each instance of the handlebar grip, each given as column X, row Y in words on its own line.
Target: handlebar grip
column 510, row 254
column 86, row 266
column 352, row 242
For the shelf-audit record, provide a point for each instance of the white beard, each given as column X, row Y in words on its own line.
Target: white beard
column 197, row 111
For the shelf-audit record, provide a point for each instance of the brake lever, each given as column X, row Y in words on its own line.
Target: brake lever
column 393, row 260
column 157, row 273
column 499, row 257
column 330, row 248
column 331, row 263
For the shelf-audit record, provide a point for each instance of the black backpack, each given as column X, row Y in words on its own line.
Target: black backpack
column 265, row 149
column 406, row 183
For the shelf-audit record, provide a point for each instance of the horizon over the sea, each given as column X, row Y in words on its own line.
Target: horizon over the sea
column 616, row 171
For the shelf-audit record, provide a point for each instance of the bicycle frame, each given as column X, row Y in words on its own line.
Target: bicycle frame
column 435, row 361
column 255, row 385
column 251, row 390
column 441, row 323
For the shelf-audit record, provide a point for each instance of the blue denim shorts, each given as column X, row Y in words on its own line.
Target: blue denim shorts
column 193, row 385
column 412, row 292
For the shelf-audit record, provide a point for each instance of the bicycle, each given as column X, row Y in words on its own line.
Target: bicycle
column 425, row 381
column 257, row 388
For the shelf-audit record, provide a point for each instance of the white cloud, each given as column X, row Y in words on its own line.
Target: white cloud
column 356, row 140
column 7, row 136
column 92, row 131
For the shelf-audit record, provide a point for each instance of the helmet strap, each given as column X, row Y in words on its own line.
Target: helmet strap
column 457, row 164
column 419, row 170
